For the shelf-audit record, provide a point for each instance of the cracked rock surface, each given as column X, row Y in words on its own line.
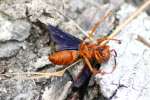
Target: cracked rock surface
column 130, row 81
column 25, row 46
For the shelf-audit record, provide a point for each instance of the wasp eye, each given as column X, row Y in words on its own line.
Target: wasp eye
column 101, row 49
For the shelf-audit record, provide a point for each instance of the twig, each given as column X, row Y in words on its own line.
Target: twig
column 128, row 20
column 142, row 40
column 68, row 17
column 37, row 75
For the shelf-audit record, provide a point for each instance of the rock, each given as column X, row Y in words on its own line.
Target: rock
column 15, row 8
column 58, row 89
column 11, row 29
column 18, row 90
column 116, row 3
column 40, row 62
column 48, row 93
column 9, row 49
column 94, row 15
column 77, row 5
column 21, row 30
column 130, row 79
column 44, row 51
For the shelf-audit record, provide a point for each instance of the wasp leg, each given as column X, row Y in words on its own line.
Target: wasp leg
column 88, row 63
column 93, row 29
column 101, row 71
column 114, row 66
column 115, row 62
column 115, row 53
column 93, row 70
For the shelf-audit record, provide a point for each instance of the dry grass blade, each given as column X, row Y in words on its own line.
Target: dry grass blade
column 128, row 20
column 37, row 75
column 142, row 40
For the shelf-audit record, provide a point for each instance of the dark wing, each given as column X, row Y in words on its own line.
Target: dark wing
column 83, row 77
column 63, row 40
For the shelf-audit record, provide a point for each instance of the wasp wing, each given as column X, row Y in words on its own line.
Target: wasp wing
column 83, row 77
column 63, row 40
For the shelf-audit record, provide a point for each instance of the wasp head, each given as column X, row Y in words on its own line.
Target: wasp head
column 102, row 54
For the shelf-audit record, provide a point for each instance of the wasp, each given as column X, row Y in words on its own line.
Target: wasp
column 69, row 49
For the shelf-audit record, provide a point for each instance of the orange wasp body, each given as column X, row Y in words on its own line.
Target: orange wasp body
column 71, row 49
column 86, row 50
column 65, row 57
column 91, row 51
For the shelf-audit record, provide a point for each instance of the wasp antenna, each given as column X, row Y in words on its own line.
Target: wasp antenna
column 128, row 20
column 93, row 29
column 119, row 41
column 113, row 68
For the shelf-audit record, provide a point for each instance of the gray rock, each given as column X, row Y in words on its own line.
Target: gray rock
column 40, row 62
column 62, row 92
column 57, row 88
column 21, row 30
column 19, row 90
column 130, row 79
column 13, row 29
column 34, row 55
column 9, row 49
column 15, row 8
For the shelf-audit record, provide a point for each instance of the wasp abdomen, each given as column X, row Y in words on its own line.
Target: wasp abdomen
column 64, row 57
